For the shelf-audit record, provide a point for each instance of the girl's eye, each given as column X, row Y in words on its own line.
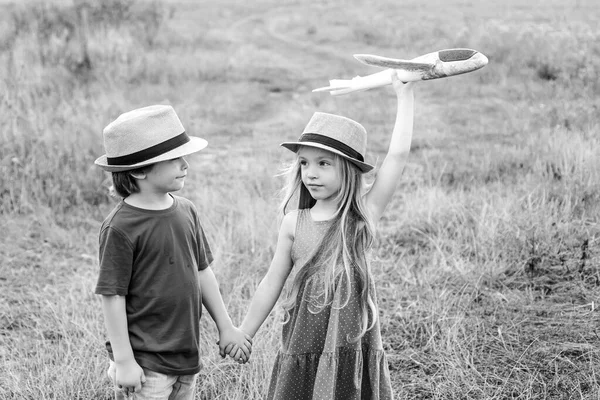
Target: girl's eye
column 324, row 163
column 303, row 163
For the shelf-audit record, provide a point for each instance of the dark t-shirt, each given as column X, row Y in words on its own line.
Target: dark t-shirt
column 152, row 257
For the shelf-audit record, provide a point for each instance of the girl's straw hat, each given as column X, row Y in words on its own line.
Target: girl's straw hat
column 337, row 134
column 146, row 136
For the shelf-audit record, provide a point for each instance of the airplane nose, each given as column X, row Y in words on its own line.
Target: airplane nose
column 456, row 54
column 463, row 55
column 481, row 59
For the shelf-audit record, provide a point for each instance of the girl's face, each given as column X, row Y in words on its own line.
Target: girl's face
column 320, row 172
column 167, row 176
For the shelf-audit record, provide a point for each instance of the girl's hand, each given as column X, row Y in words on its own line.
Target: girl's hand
column 399, row 86
column 127, row 376
column 235, row 343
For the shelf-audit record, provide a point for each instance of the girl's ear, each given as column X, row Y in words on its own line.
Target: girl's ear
column 138, row 174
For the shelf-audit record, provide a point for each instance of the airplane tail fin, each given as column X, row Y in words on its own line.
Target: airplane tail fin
column 338, row 87
column 357, row 84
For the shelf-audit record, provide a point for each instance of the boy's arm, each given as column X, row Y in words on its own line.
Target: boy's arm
column 129, row 375
column 391, row 169
column 212, row 300
column 270, row 287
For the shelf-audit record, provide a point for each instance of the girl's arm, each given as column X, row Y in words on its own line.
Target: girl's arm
column 129, row 374
column 212, row 300
column 389, row 174
column 270, row 287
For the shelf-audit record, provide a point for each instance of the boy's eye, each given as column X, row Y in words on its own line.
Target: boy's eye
column 303, row 162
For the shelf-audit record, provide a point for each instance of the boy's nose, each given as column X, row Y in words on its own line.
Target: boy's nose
column 184, row 163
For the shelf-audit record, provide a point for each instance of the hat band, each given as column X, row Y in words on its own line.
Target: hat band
column 150, row 152
column 333, row 143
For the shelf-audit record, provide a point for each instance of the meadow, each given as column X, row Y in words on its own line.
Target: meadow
column 487, row 261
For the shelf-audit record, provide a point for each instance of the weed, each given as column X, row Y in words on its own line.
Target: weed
column 487, row 258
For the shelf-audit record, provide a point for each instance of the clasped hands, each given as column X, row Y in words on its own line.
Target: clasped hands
column 235, row 343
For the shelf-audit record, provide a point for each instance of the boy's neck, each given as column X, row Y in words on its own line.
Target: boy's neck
column 150, row 201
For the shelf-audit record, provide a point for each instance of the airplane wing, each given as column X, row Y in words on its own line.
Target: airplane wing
column 386, row 62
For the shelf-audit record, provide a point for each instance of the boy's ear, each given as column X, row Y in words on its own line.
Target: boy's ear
column 138, row 174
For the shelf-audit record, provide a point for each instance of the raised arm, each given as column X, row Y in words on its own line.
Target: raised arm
column 391, row 169
column 270, row 287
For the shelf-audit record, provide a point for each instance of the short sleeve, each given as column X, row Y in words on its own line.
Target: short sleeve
column 116, row 262
column 205, row 257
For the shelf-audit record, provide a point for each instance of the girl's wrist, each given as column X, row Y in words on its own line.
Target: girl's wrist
column 247, row 331
column 224, row 324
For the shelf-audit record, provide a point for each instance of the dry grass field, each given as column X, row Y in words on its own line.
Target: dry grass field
column 487, row 261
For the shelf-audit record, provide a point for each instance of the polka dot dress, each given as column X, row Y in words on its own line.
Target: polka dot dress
column 316, row 360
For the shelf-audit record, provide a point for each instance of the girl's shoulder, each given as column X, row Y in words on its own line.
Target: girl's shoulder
column 288, row 224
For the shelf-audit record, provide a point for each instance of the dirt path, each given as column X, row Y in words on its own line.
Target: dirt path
column 285, row 67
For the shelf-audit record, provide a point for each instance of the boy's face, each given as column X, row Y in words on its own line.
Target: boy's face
column 167, row 176
column 320, row 172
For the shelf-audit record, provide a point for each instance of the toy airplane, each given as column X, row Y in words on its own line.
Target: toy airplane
column 440, row 64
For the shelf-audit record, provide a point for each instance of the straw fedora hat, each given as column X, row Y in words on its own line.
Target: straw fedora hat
column 340, row 135
column 146, row 136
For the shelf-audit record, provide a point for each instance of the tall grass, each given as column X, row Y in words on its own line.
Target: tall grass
column 51, row 89
column 486, row 261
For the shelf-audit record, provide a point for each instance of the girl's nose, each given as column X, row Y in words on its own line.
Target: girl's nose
column 184, row 163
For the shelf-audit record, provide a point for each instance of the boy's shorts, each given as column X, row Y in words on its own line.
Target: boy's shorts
column 158, row 386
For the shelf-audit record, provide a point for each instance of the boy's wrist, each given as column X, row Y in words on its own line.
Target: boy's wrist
column 124, row 360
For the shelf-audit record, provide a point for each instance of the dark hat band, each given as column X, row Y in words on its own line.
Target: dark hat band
column 150, row 152
column 333, row 143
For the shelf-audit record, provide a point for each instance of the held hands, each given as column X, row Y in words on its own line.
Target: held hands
column 235, row 343
column 127, row 376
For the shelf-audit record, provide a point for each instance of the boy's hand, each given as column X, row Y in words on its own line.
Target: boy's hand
column 127, row 376
column 236, row 343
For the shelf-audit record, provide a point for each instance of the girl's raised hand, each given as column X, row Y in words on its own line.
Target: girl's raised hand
column 398, row 85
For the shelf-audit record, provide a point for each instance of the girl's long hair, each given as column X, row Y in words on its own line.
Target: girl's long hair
column 341, row 257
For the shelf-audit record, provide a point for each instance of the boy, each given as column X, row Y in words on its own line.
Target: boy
column 155, row 261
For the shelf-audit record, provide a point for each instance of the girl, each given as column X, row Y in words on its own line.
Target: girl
column 331, row 344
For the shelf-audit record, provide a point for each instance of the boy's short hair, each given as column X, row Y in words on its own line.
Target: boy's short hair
column 124, row 184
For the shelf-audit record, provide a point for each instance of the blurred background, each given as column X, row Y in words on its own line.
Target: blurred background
column 486, row 262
